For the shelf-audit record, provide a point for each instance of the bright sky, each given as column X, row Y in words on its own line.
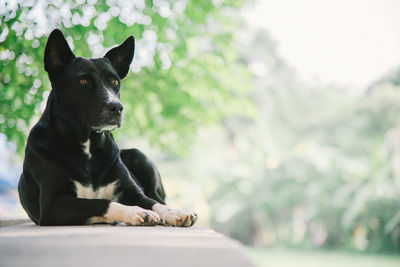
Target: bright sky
column 351, row 42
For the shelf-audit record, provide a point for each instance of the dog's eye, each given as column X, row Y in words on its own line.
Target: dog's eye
column 115, row 82
column 83, row 81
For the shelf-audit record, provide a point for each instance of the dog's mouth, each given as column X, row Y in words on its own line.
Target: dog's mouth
column 103, row 123
column 110, row 126
column 105, row 128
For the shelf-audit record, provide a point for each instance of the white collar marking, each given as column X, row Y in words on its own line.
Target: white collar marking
column 86, row 148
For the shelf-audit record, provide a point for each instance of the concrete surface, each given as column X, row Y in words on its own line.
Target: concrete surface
column 106, row 245
column 12, row 221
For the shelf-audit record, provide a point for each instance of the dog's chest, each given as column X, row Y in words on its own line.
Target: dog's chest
column 102, row 192
column 96, row 166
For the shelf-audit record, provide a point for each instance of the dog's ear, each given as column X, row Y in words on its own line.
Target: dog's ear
column 121, row 56
column 57, row 54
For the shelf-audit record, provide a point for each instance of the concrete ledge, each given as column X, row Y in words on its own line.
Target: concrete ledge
column 106, row 245
column 9, row 222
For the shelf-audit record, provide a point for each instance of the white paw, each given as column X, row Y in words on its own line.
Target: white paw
column 138, row 216
column 131, row 215
column 179, row 218
column 172, row 217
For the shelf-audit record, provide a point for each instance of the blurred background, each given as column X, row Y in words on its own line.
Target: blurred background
column 277, row 121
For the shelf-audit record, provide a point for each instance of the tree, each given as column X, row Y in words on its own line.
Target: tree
column 185, row 67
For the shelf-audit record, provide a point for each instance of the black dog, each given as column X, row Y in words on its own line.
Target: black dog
column 73, row 171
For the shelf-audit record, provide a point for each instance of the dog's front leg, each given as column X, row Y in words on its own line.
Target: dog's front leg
column 174, row 217
column 58, row 206
column 131, row 215
column 133, row 195
column 69, row 210
column 167, row 216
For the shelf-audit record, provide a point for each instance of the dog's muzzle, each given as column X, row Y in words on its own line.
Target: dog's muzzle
column 112, row 117
column 115, row 108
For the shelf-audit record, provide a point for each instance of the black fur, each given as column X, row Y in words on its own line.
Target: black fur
column 77, row 112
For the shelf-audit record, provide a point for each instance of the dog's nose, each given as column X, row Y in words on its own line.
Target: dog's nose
column 116, row 107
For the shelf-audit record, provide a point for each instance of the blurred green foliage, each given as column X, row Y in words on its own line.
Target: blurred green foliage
column 185, row 67
column 320, row 167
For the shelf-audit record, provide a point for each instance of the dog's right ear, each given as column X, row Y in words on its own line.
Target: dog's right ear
column 57, row 54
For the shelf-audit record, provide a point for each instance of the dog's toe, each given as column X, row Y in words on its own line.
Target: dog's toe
column 135, row 220
column 149, row 217
column 153, row 217
column 187, row 222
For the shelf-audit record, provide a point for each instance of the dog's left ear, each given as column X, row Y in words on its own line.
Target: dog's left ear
column 121, row 56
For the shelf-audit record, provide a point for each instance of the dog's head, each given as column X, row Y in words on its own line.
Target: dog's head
column 88, row 89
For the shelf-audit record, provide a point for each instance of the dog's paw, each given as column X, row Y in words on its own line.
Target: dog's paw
column 173, row 217
column 131, row 215
column 139, row 216
column 179, row 218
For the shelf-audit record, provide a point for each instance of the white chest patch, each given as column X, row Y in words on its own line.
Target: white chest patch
column 103, row 192
column 86, row 148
